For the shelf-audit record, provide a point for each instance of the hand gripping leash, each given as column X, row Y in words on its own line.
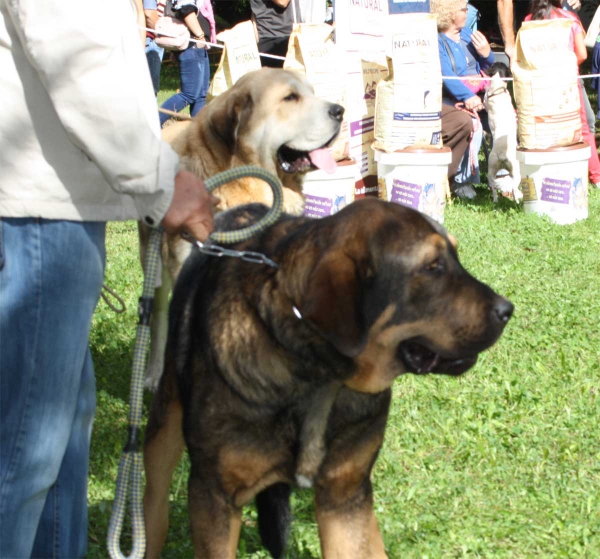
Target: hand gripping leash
column 130, row 468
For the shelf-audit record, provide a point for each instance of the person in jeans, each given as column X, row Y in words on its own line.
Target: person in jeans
column 153, row 9
column 80, row 146
column 194, row 67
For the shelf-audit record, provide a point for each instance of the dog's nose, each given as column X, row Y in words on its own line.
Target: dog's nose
column 503, row 310
column 336, row 112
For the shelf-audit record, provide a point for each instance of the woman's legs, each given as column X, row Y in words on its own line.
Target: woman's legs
column 468, row 170
column 204, row 79
column 194, row 72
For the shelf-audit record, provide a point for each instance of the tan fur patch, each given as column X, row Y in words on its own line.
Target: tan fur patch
column 245, row 473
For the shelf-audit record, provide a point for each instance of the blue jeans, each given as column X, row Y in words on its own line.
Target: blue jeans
column 154, row 55
column 51, row 275
column 194, row 71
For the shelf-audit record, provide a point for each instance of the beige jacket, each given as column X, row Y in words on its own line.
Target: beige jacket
column 79, row 132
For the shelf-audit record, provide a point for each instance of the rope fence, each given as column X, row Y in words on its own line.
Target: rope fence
column 469, row 78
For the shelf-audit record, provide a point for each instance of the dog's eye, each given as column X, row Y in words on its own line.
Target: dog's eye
column 292, row 97
column 436, row 267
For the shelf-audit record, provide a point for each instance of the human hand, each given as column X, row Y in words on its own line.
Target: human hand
column 575, row 4
column 191, row 209
column 474, row 104
column 481, row 43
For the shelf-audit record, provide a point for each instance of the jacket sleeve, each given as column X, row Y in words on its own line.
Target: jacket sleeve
column 93, row 67
column 455, row 88
column 485, row 63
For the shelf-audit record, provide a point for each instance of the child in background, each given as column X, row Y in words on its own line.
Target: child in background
column 551, row 9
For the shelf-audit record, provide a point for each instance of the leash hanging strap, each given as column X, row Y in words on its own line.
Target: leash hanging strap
column 130, row 467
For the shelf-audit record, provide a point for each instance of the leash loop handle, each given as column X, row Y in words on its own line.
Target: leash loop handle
column 274, row 213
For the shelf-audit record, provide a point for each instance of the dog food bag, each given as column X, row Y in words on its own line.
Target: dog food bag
column 240, row 56
column 409, row 103
column 312, row 53
column 546, row 85
column 365, row 71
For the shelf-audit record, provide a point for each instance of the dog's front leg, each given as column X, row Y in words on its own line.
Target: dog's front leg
column 215, row 523
column 348, row 530
column 344, row 498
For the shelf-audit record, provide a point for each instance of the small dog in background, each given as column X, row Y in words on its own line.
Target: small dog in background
column 503, row 124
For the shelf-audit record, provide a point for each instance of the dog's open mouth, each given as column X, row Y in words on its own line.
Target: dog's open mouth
column 420, row 359
column 294, row 161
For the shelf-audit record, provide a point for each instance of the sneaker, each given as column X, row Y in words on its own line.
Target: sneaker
column 464, row 191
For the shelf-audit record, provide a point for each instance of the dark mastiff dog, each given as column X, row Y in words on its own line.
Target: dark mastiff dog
column 281, row 377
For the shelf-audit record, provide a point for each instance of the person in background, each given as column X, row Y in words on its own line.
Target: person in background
column 457, row 127
column 194, row 67
column 552, row 9
column 80, row 146
column 153, row 9
column 273, row 21
column 596, row 70
column 506, row 23
column 463, row 53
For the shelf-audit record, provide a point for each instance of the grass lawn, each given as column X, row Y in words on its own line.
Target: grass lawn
column 501, row 463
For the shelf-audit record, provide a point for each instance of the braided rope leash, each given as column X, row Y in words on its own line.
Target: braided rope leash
column 130, row 467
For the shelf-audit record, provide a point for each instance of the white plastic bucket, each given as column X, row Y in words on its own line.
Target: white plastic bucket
column 416, row 178
column 327, row 194
column 555, row 182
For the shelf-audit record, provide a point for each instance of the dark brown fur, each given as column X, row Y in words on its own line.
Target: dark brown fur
column 264, row 396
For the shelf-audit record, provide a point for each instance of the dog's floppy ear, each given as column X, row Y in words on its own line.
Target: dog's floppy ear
column 225, row 115
column 332, row 302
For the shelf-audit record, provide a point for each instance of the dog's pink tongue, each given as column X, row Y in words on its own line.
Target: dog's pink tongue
column 322, row 159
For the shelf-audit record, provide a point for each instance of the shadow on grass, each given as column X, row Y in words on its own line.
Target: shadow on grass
column 484, row 202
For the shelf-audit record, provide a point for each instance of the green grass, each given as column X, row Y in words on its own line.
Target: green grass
column 501, row 463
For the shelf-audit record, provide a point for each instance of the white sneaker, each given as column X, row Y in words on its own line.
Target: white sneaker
column 464, row 191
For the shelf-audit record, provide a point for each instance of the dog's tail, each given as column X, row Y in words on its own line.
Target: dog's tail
column 274, row 517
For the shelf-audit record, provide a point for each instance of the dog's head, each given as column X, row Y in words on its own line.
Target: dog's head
column 497, row 86
column 498, row 68
column 272, row 118
column 388, row 291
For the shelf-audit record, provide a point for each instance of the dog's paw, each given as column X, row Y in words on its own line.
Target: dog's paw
column 152, row 377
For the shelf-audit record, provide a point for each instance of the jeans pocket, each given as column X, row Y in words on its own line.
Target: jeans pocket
column 1, row 245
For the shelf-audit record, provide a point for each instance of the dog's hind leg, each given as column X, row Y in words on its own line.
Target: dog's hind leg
column 515, row 172
column 493, row 168
column 163, row 448
column 274, row 517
